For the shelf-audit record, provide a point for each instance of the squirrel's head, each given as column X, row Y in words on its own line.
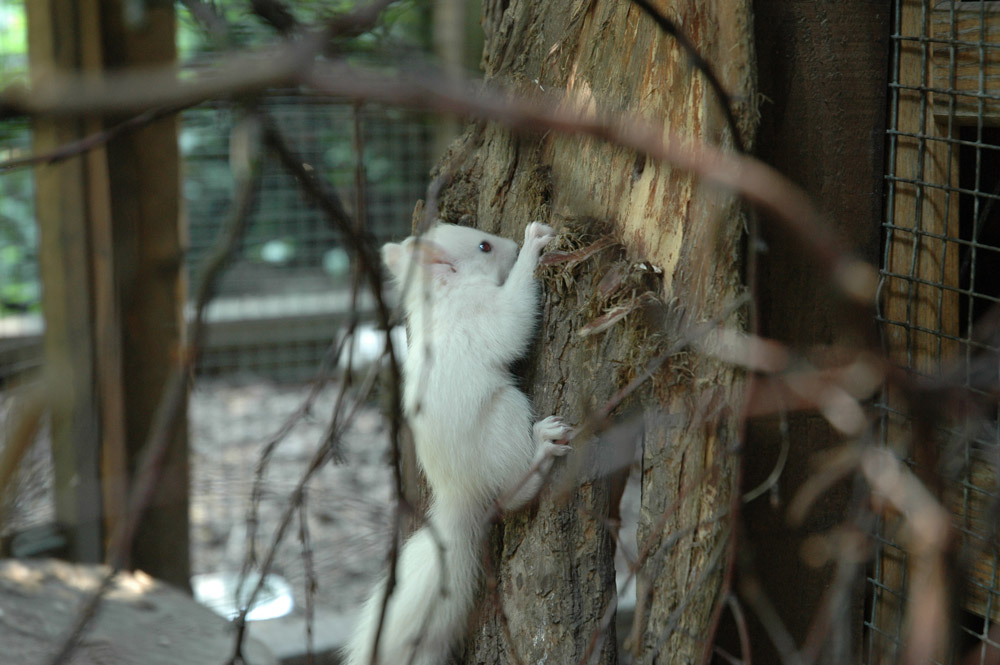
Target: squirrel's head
column 450, row 253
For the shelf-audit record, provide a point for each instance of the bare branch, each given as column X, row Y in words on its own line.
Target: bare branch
column 88, row 143
column 295, row 63
column 276, row 14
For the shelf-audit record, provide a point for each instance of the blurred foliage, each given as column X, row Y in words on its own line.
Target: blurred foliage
column 404, row 25
column 13, row 41
column 286, row 232
column 19, row 288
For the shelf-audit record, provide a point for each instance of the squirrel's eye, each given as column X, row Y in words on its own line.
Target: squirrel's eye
column 485, row 247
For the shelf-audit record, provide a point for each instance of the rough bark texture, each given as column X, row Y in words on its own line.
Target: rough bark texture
column 554, row 563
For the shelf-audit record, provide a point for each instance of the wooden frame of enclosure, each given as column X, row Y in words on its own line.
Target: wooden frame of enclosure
column 110, row 259
column 947, row 75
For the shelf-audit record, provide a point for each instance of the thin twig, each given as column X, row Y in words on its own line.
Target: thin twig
column 310, row 576
column 276, row 14
column 757, row 182
column 296, row 64
column 320, row 457
column 357, row 22
column 264, row 459
column 753, row 595
column 211, row 20
column 87, row 612
column 740, row 619
column 362, row 244
column 92, row 141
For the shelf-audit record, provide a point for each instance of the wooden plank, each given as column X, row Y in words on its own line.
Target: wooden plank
column 55, row 40
column 973, row 505
column 144, row 179
column 966, row 61
column 920, row 311
column 918, row 304
column 111, row 267
column 823, row 126
column 107, row 316
column 921, row 267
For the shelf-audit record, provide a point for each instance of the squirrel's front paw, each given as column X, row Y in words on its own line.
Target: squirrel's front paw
column 537, row 235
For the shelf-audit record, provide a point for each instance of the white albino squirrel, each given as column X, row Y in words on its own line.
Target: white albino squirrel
column 471, row 310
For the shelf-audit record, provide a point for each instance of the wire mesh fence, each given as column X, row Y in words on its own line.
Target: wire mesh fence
column 940, row 285
column 19, row 285
column 284, row 298
column 282, row 302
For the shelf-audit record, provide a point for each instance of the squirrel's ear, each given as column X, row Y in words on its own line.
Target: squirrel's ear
column 394, row 258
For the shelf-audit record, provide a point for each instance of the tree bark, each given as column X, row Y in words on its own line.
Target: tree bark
column 553, row 564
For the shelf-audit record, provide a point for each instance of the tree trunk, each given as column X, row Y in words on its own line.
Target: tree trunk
column 553, row 564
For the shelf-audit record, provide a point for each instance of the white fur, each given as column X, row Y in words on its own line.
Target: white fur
column 470, row 314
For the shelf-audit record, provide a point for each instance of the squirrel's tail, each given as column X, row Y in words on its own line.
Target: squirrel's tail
column 429, row 608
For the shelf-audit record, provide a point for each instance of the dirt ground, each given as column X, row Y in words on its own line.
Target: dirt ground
column 347, row 502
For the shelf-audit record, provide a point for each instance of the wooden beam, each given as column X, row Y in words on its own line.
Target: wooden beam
column 966, row 61
column 144, row 181
column 111, row 269
column 822, row 68
column 920, row 302
column 67, row 36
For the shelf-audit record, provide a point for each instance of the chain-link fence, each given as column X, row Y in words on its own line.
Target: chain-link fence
column 940, row 286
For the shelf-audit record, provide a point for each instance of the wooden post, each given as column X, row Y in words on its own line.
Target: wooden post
column 822, row 70
column 70, row 196
column 144, row 181
column 111, row 270
column 917, row 308
column 919, row 264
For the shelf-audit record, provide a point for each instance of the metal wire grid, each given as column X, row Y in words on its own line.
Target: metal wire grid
column 396, row 155
column 284, row 298
column 940, row 278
